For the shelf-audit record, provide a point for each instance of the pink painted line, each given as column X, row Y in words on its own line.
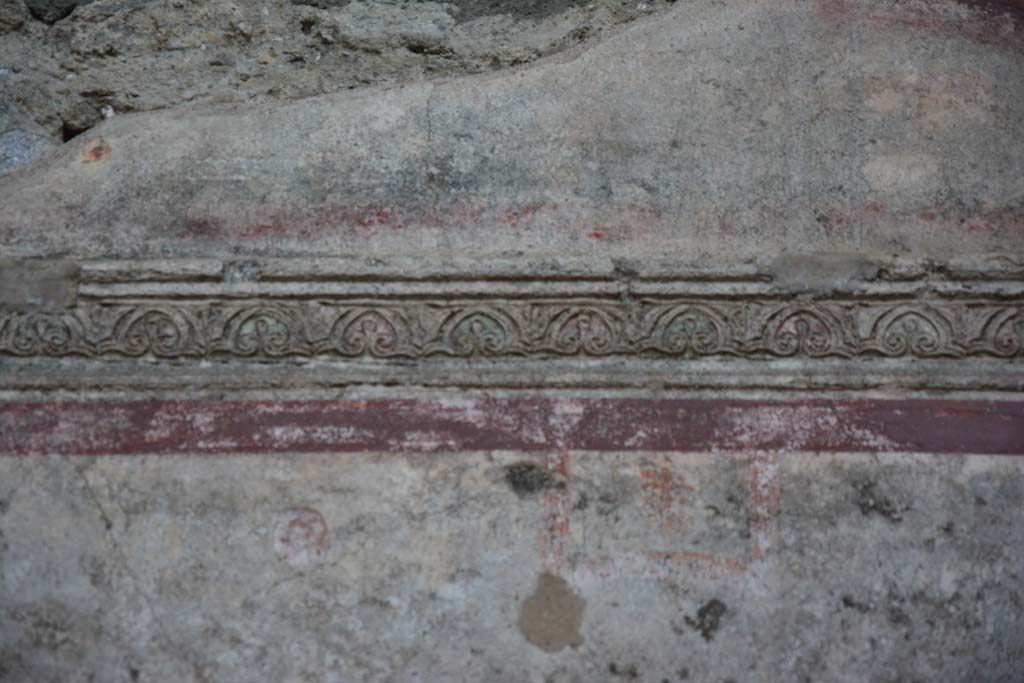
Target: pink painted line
column 533, row 424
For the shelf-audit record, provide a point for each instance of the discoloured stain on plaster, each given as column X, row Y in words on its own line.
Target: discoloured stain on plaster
column 95, row 150
column 871, row 498
column 708, row 619
column 552, row 616
column 528, row 478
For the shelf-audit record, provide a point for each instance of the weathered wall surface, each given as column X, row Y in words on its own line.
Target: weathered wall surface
column 66, row 64
column 869, row 127
column 545, row 342
column 636, row 559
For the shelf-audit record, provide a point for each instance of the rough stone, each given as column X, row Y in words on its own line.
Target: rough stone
column 18, row 147
column 21, row 139
column 142, row 55
column 52, row 11
column 13, row 15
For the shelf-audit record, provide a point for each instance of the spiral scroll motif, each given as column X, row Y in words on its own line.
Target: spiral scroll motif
column 155, row 331
column 540, row 328
column 805, row 332
column 586, row 330
column 480, row 332
column 689, row 331
column 262, row 331
column 47, row 334
column 366, row 332
column 1008, row 339
column 911, row 333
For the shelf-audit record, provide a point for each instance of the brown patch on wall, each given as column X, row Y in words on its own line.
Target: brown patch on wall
column 552, row 616
column 95, row 150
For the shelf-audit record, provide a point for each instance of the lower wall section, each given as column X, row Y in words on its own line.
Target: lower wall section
column 506, row 566
column 528, row 538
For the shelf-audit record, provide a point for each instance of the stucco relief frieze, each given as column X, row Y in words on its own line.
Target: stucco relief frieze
column 421, row 327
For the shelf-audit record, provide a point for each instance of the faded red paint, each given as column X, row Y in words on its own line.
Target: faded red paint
column 832, row 9
column 530, row 424
column 553, row 426
column 582, row 221
column 557, row 508
column 764, row 503
column 203, row 228
column 264, row 230
column 984, row 28
column 300, row 538
column 941, row 217
column 371, row 216
column 981, row 32
column 365, row 220
column 661, row 488
column 514, row 215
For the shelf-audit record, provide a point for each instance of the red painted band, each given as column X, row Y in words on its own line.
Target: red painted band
column 524, row 424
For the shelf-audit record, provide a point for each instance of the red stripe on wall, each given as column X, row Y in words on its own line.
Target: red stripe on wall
column 523, row 424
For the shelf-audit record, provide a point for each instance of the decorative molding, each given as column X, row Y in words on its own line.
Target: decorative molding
column 322, row 324
column 536, row 327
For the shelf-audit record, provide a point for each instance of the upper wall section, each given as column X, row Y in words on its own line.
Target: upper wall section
column 719, row 132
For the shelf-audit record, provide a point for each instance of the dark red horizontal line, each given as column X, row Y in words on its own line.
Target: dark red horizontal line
column 524, row 424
